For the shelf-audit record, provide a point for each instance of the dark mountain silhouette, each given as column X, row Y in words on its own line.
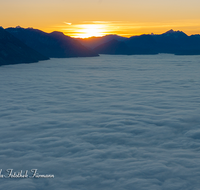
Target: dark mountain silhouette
column 144, row 44
column 113, row 47
column 172, row 42
column 13, row 51
column 19, row 45
column 175, row 42
column 54, row 45
column 93, row 42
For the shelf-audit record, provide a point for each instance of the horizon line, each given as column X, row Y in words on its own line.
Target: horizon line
column 107, row 34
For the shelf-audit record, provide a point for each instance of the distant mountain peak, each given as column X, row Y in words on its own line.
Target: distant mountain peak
column 18, row 27
column 170, row 31
column 57, row 33
column 173, row 32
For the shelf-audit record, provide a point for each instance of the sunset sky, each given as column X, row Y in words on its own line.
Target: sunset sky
column 85, row 18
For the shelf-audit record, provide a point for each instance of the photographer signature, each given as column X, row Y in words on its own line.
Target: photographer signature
column 26, row 174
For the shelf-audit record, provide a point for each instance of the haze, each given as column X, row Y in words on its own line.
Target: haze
column 126, row 18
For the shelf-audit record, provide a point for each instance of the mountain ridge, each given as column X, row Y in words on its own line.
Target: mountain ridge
column 26, row 45
column 14, row 51
column 53, row 45
column 174, row 42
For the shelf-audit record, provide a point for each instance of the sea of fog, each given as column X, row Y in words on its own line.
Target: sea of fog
column 101, row 123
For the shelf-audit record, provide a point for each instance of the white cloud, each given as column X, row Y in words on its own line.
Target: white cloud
column 68, row 23
column 96, row 123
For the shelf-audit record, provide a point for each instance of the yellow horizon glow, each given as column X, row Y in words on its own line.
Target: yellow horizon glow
column 89, row 29
column 124, row 18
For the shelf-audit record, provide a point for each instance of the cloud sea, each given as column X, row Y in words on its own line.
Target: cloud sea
column 108, row 122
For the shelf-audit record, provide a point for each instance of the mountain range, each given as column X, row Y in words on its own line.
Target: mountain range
column 13, row 51
column 53, row 45
column 27, row 45
column 174, row 42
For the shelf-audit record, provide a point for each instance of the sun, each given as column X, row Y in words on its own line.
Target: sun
column 90, row 30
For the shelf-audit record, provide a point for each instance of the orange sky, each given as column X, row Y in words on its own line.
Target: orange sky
column 82, row 18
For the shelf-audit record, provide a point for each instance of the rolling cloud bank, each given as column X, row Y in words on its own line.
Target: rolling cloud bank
column 107, row 122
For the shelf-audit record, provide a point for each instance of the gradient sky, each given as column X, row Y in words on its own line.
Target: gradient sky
column 99, row 17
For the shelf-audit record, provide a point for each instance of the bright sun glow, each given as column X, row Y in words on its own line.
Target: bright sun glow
column 90, row 30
